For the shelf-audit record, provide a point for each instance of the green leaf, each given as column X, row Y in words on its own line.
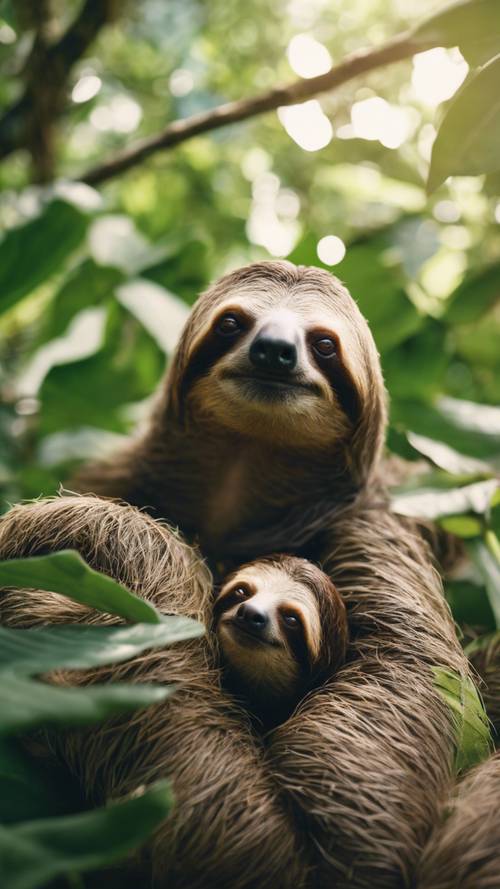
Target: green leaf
column 464, row 526
column 41, row 649
column 30, row 791
column 486, row 556
column 415, row 368
column 25, row 703
column 468, row 140
column 35, row 250
column 473, row 25
column 87, row 285
column 433, row 503
column 66, row 572
column 184, row 270
column 466, row 426
column 130, row 363
column 469, row 604
column 31, row 854
column 477, row 293
column 447, row 458
column 473, row 738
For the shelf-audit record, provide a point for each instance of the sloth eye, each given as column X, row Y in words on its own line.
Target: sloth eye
column 291, row 621
column 228, row 325
column 326, row 347
column 241, row 592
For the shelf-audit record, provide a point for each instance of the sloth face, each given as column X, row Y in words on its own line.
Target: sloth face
column 280, row 623
column 281, row 351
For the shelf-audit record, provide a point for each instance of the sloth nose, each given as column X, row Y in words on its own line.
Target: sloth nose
column 252, row 618
column 272, row 353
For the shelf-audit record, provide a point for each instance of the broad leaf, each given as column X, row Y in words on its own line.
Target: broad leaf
column 473, row 25
column 470, row 428
column 31, row 854
column 33, row 251
column 473, row 738
column 447, row 458
column 29, row 790
column 469, row 604
column 41, row 649
column 476, row 294
column 25, row 703
column 432, row 503
column 66, row 572
column 486, row 556
column 468, row 140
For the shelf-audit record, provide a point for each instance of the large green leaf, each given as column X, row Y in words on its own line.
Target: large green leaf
column 468, row 140
column 184, row 270
column 35, row 250
column 470, row 428
column 415, row 368
column 30, row 791
column 41, row 649
column 470, row 604
column 473, row 25
column 25, row 703
column 93, row 391
column 87, row 285
column 432, row 503
column 66, row 572
column 31, row 854
column 473, row 738
column 486, row 556
column 474, row 296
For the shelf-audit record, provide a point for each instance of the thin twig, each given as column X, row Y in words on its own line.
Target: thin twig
column 401, row 47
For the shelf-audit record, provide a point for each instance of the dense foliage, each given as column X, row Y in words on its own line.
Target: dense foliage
column 95, row 285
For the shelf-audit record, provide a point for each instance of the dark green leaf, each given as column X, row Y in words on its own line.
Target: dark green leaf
column 415, row 368
column 473, row 738
column 25, row 703
column 469, row 604
column 183, row 271
column 476, row 294
column 41, row 649
column 29, row 790
column 468, row 140
column 470, row 428
column 87, row 285
column 66, row 572
column 32, row 854
column 473, row 25
column 486, row 556
column 33, row 251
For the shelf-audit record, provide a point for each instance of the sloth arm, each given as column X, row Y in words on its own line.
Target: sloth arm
column 366, row 759
column 229, row 829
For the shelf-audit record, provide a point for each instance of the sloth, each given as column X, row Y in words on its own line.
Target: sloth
column 464, row 850
column 282, row 628
column 270, row 419
column 267, row 437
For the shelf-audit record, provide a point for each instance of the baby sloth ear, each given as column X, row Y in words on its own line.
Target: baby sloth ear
column 334, row 627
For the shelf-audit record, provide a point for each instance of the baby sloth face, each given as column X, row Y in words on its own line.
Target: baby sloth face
column 282, row 628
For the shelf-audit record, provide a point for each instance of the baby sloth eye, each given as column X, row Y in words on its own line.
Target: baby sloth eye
column 326, row 347
column 228, row 325
column 291, row 621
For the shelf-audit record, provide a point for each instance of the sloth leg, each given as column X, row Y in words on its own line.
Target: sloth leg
column 464, row 851
column 366, row 759
column 229, row 827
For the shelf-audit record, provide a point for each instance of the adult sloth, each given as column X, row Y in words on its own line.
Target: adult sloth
column 267, row 436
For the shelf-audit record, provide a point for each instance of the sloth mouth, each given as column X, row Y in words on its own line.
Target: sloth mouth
column 268, row 386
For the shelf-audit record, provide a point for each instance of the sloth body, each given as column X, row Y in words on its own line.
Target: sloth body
column 282, row 628
column 266, row 437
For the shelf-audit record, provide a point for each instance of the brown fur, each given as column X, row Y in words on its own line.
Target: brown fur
column 346, row 791
column 464, row 852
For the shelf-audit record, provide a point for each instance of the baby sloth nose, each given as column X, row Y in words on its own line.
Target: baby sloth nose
column 272, row 353
column 252, row 618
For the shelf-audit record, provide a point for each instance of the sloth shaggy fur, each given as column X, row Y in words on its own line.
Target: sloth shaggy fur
column 347, row 790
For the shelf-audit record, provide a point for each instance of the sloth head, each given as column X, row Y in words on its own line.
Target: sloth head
column 282, row 627
column 281, row 353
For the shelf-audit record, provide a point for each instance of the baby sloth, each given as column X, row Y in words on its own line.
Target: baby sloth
column 282, row 629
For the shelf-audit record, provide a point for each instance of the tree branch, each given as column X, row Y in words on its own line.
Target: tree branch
column 46, row 75
column 401, row 47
